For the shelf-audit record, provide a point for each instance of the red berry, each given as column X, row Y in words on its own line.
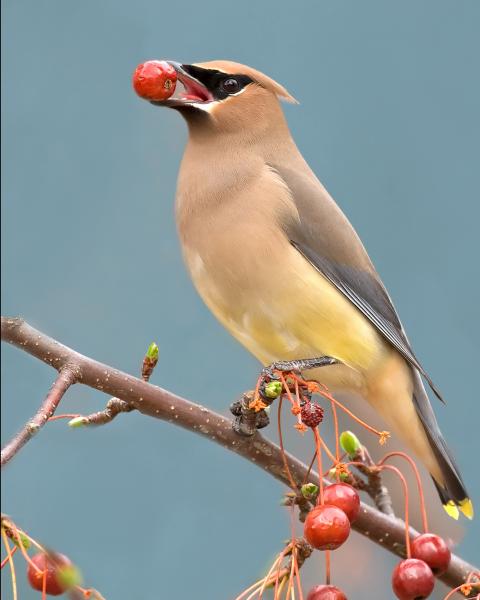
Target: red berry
column 433, row 550
column 326, row 592
column 326, row 527
column 412, row 579
column 53, row 564
column 343, row 496
column 311, row 414
column 155, row 80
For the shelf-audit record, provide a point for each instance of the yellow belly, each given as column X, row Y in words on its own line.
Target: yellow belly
column 294, row 312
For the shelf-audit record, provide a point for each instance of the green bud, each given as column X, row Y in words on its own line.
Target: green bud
column 69, row 576
column 21, row 539
column 152, row 351
column 332, row 474
column 350, row 443
column 273, row 389
column 309, row 491
column 77, row 422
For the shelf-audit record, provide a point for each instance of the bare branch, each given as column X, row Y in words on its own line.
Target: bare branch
column 66, row 377
column 162, row 404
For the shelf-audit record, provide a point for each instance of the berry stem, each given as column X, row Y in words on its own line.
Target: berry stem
column 296, row 574
column 419, row 483
column 20, row 545
column 405, row 491
column 324, row 392
column 10, row 560
column 307, row 475
column 7, row 558
column 290, row 590
column 337, row 439
column 462, row 588
column 287, row 389
column 327, row 567
column 264, row 582
column 328, row 452
column 293, row 485
column 318, row 451
column 44, row 584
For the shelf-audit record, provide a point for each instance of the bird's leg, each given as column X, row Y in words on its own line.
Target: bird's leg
column 298, row 365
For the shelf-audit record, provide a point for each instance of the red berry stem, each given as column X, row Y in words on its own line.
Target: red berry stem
column 278, row 583
column 327, row 566
column 405, row 492
column 7, row 558
column 310, row 467
column 19, row 543
column 295, row 569
column 328, row 452
column 323, row 391
column 292, row 482
column 286, row 388
column 337, row 436
column 355, row 463
column 318, row 451
column 44, row 583
column 12, row 564
column 419, row 483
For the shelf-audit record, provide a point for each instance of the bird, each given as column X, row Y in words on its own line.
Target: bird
column 280, row 266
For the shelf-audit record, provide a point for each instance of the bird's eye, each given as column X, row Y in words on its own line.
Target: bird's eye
column 230, row 85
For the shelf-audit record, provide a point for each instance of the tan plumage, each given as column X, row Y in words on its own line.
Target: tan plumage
column 281, row 267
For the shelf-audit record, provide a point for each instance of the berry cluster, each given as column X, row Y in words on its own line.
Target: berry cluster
column 337, row 505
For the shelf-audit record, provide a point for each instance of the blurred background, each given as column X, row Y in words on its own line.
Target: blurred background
column 388, row 119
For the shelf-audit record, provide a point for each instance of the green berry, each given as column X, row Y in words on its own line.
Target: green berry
column 350, row 443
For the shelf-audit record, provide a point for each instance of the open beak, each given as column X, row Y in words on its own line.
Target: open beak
column 190, row 90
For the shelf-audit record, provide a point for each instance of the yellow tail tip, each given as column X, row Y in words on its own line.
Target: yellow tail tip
column 466, row 507
column 451, row 510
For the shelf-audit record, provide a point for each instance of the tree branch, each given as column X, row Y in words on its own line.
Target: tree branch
column 66, row 377
column 162, row 404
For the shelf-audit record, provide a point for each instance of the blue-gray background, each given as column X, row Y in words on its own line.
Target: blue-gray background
column 388, row 118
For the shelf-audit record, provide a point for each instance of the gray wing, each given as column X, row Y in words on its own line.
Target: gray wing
column 327, row 240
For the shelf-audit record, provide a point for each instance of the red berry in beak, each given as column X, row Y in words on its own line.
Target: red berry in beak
column 343, row 496
column 326, row 592
column 412, row 579
column 433, row 550
column 155, row 80
column 311, row 414
column 326, row 527
column 53, row 565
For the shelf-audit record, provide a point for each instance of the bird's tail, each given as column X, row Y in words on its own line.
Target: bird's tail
column 451, row 490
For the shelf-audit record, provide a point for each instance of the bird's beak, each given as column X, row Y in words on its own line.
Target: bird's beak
column 190, row 91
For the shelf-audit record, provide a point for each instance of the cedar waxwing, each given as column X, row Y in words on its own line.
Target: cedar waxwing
column 281, row 267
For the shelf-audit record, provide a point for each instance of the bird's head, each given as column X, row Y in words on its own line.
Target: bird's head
column 225, row 96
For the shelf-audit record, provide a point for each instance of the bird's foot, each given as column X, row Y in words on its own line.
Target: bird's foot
column 251, row 412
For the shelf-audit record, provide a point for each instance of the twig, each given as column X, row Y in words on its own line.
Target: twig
column 115, row 406
column 66, row 377
column 162, row 404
